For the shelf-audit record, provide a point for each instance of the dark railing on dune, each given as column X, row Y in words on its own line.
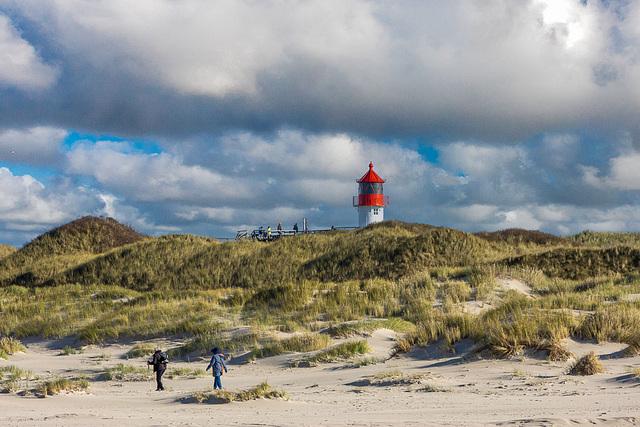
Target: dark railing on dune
column 266, row 236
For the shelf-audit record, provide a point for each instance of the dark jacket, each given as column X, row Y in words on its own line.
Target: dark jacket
column 217, row 364
column 157, row 365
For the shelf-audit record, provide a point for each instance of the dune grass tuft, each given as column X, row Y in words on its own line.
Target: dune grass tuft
column 68, row 350
column 588, row 364
column 185, row 372
column 13, row 378
column 296, row 344
column 140, row 350
column 556, row 351
column 634, row 346
column 263, row 390
column 10, row 345
column 368, row 326
column 124, row 372
column 343, row 351
column 51, row 387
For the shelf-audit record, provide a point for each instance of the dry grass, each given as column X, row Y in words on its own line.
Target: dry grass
column 343, row 351
column 556, row 351
column 582, row 263
column 13, row 379
column 634, row 346
column 517, row 236
column 6, row 250
column 10, row 345
column 263, row 390
column 302, row 343
column 140, row 350
column 78, row 281
column 51, row 387
column 588, row 364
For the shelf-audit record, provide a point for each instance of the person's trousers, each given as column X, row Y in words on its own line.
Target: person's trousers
column 159, row 380
column 216, row 382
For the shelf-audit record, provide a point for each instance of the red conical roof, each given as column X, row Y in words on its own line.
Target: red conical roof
column 370, row 176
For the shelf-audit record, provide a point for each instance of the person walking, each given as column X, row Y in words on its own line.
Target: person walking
column 279, row 229
column 217, row 365
column 159, row 363
column 295, row 228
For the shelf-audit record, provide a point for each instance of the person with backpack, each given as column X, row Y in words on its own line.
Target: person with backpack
column 217, row 365
column 159, row 363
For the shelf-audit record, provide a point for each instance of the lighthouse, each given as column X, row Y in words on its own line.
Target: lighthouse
column 370, row 200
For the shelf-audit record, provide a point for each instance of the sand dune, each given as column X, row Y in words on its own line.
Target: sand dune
column 425, row 387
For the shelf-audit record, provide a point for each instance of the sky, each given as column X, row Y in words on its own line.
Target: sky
column 209, row 117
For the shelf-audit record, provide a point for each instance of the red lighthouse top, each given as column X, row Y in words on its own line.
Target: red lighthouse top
column 370, row 191
column 370, row 176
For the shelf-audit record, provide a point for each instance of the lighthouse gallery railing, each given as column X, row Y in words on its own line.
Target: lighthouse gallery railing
column 370, row 200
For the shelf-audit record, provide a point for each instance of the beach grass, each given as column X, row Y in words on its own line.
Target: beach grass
column 96, row 282
column 123, row 372
column 589, row 364
column 10, row 345
column 262, row 390
column 140, row 350
column 55, row 386
column 342, row 351
column 301, row 343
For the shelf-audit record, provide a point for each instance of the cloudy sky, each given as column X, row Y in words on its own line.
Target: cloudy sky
column 206, row 117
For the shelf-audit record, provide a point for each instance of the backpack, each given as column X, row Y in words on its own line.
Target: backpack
column 164, row 358
column 217, row 364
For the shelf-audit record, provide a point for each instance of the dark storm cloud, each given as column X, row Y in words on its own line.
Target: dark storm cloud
column 495, row 70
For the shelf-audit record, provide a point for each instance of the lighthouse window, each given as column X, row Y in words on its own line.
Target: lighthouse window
column 375, row 211
column 370, row 188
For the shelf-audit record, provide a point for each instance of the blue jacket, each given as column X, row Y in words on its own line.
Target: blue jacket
column 217, row 363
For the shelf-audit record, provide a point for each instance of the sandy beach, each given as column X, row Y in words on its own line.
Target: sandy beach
column 424, row 387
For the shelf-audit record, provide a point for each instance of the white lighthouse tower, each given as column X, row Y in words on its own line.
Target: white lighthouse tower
column 370, row 200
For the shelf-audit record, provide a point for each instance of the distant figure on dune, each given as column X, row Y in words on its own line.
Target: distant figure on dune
column 217, row 365
column 295, row 228
column 159, row 363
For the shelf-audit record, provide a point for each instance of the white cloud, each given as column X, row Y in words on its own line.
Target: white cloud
column 624, row 173
column 23, row 199
column 519, row 218
column 301, row 153
column 209, row 48
column 216, row 214
column 323, row 168
column 20, row 65
column 150, row 177
column 481, row 161
column 29, row 208
column 114, row 207
column 619, row 218
column 590, row 176
column 552, row 213
column 38, row 145
column 474, row 213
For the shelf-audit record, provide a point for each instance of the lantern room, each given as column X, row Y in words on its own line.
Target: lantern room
column 370, row 200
